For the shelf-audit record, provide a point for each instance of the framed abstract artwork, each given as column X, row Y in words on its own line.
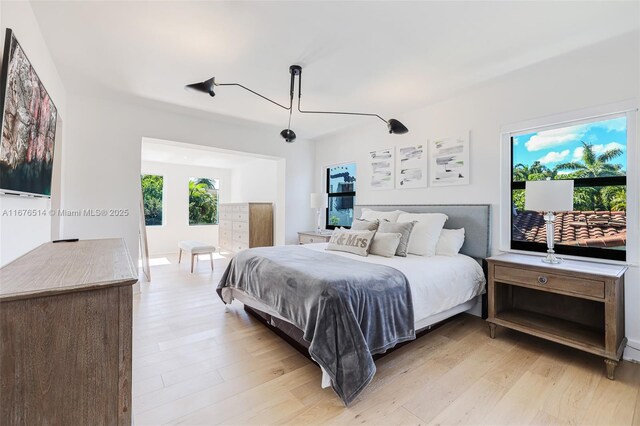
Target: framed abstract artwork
column 382, row 168
column 411, row 166
column 28, row 125
column 449, row 161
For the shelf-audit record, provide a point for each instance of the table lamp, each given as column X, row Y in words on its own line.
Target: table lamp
column 549, row 197
column 319, row 201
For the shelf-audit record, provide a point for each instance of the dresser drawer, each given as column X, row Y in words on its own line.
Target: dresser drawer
column 240, row 217
column 225, row 243
column 225, row 224
column 225, row 234
column 551, row 281
column 239, row 246
column 240, row 226
column 241, row 237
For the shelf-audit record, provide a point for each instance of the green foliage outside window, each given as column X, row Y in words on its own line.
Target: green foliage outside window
column 590, row 198
column 203, row 201
column 152, row 199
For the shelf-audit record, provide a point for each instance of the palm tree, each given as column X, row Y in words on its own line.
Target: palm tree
column 593, row 165
column 203, row 202
column 537, row 171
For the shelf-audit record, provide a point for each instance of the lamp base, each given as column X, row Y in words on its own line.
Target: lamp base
column 318, row 226
column 549, row 219
column 551, row 258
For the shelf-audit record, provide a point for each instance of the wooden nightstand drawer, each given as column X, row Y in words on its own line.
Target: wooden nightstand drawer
column 309, row 239
column 313, row 238
column 550, row 281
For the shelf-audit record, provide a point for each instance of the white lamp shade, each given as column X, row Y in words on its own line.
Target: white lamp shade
column 319, row 200
column 549, row 195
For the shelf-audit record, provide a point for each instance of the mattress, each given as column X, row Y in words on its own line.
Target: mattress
column 438, row 283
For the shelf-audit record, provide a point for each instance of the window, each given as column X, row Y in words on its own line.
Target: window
column 203, row 201
column 152, row 188
column 594, row 156
column 341, row 189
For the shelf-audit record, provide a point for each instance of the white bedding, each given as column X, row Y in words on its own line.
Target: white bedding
column 437, row 283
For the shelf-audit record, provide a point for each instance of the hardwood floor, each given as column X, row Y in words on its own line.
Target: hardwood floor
column 195, row 363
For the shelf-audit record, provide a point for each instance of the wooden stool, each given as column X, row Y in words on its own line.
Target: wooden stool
column 195, row 248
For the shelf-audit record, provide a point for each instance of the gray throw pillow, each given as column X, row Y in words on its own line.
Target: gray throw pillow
column 356, row 242
column 404, row 228
column 385, row 244
column 365, row 225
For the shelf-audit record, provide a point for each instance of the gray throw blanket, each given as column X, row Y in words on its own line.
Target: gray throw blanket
column 348, row 310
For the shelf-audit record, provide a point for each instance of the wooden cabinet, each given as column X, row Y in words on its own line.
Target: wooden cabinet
column 576, row 303
column 245, row 225
column 312, row 237
column 65, row 349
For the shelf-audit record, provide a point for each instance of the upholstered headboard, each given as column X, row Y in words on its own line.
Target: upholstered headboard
column 474, row 218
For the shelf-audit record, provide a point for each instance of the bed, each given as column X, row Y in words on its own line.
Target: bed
column 421, row 292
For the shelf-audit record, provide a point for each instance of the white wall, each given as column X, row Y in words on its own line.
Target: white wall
column 604, row 73
column 21, row 234
column 175, row 209
column 103, row 155
column 258, row 181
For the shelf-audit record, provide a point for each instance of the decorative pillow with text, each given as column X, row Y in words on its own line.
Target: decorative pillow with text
column 356, row 242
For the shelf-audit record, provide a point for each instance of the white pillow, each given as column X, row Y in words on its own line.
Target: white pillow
column 425, row 234
column 385, row 244
column 371, row 215
column 450, row 242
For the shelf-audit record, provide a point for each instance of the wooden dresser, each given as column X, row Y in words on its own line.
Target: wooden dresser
column 245, row 225
column 65, row 348
column 576, row 303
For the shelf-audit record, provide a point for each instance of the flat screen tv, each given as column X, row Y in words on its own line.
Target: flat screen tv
column 28, row 125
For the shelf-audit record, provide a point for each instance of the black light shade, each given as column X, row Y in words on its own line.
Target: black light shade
column 288, row 135
column 396, row 127
column 204, row 87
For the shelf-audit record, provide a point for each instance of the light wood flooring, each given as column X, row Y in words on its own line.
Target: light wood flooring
column 195, row 363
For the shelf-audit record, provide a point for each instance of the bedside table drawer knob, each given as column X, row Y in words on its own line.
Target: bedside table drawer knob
column 542, row 279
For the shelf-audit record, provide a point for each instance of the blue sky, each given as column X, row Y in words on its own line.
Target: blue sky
column 562, row 145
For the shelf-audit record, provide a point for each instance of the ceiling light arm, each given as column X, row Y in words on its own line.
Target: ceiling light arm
column 327, row 112
column 257, row 94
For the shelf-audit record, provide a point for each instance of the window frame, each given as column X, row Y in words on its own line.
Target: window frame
column 628, row 109
column 331, row 195
column 578, row 251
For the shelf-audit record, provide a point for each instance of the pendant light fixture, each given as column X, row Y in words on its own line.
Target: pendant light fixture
column 394, row 126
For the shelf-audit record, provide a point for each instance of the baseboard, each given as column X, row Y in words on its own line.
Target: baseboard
column 632, row 351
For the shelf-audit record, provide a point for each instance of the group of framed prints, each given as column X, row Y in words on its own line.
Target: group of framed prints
column 439, row 162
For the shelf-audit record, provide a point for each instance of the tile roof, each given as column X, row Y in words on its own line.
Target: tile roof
column 587, row 228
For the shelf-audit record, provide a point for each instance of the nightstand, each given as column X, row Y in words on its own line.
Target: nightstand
column 311, row 237
column 575, row 303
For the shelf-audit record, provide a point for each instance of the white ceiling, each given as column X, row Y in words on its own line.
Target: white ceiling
column 162, row 151
column 385, row 57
